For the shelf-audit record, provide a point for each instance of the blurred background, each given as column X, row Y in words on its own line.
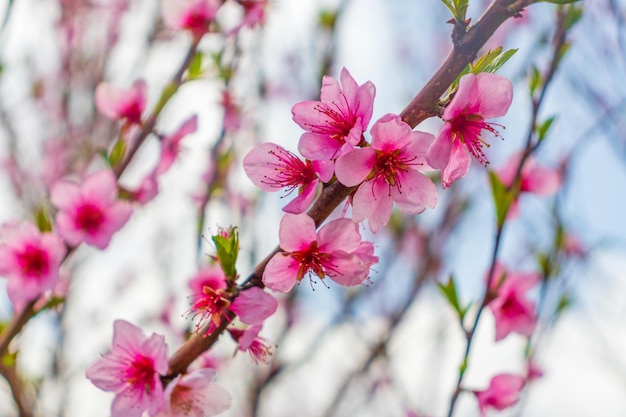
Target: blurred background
column 388, row 348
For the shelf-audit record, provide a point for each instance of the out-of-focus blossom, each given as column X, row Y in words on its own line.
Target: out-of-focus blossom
column 132, row 370
column 195, row 395
column 249, row 341
column 478, row 97
column 195, row 16
column 122, row 104
column 502, row 393
column 336, row 123
column 90, row 212
column 30, row 260
column 389, row 169
column 271, row 168
column 170, row 145
column 334, row 251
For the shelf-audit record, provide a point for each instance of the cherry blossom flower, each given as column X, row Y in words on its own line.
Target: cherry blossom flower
column 249, row 341
column 390, row 170
column 211, row 299
column 478, row 97
column 131, row 370
column 271, row 168
column 90, row 212
column 122, row 104
column 170, row 145
column 195, row 395
column 512, row 311
column 502, row 393
column 337, row 122
column 334, row 251
column 254, row 13
column 192, row 15
column 536, row 179
column 30, row 260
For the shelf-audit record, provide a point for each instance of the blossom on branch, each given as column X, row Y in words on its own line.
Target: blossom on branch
column 132, row 370
column 502, row 393
column 195, row 395
column 478, row 97
column 249, row 341
column 30, row 260
column 122, row 104
column 336, row 251
column 336, row 123
column 271, row 168
column 388, row 172
column 195, row 16
column 90, row 212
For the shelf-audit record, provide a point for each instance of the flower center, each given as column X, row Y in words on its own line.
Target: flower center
column 311, row 259
column 339, row 122
column 467, row 128
column 89, row 218
column 141, row 373
column 290, row 171
column 33, row 261
column 511, row 307
column 209, row 306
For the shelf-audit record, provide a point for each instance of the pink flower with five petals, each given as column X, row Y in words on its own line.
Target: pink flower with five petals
column 90, row 212
column 271, row 167
column 132, row 371
column 335, row 251
column 502, row 393
column 478, row 97
column 337, row 122
column 389, row 169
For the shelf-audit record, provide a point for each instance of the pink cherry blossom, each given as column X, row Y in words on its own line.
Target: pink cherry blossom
column 271, row 168
column 31, row 260
column 334, row 251
column 122, row 104
column 390, row 170
column 337, row 122
column 254, row 12
column 534, row 178
column 249, row 341
column 195, row 395
column 192, row 15
column 513, row 312
column 211, row 299
column 502, row 393
column 170, row 145
column 132, row 371
column 90, row 212
column 478, row 97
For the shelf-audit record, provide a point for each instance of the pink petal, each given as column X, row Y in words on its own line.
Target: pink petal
column 330, row 91
column 372, row 202
column 496, row 94
column 466, row 99
column 260, row 163
column 281, row 273
column 65, row 194
column 324, row 169
column 390, row 132
column 339, row 234
column 99, row 188
column 542, row 181
column 254, row 305
column 439, row 152
column 417, row 193
column 350, row 270
column 458, row 166
column 318, row 147
column 353, row 167
column 296, row 232
column 303, row 200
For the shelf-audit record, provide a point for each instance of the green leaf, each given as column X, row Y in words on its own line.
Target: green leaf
column 42, row 220
column 499, row 60
column 117, row 153
column 449, row 5
column 564, row 302
column 195, row 66
column 327, row 19
column 9, row 359
column 227, row 244
column 543, row 128
column 449, row 291
column 502, row 197
column 489, row 62
column 535, row 80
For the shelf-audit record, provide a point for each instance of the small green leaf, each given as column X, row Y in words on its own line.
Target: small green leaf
column 543, row 128
column 449, row 291
column 117, row 153
column 535, row 80
column 499, row 60
column 574, row 14
column 227, row 244
column 9, row 359
column 502, row 197
column 42, row 220
column 195, row 67
column 564, row 302
column 449, row 5
column 327, row 19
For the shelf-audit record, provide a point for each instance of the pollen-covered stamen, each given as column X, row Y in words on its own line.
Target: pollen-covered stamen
column 290, row 171
column 468, row 128
column 209, row 306
column 390, row 165
column 340, row 122
column 312, row 260
column 140, row 373
column 33, row 261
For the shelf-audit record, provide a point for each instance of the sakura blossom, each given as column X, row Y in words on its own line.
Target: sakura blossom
column 192, row 15
column 211, row 300
column 90, row 212
column 170, row 145
column 534, row 178
column 478, row 97
column 502, row 393
column 249, row 341
column 118, row 103
column 334, row 251
column 388, row 172
column 195, row 395
column 30, row 260
column 512, row 310
column 271, row 168
column 336, row 123
column 132, row 371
